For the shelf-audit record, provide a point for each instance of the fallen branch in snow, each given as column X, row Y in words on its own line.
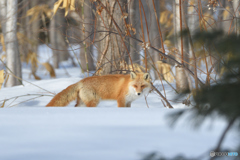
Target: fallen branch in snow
column 16, row 97
column 32, row 84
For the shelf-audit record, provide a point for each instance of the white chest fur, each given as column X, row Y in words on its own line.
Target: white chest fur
column 132, row 94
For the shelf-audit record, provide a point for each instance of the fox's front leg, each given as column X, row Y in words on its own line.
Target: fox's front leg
column 128, row 104
column 121, row 102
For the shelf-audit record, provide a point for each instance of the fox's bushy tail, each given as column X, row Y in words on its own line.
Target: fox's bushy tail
column 65, row 97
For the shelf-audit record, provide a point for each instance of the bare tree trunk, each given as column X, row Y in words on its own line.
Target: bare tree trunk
column 31, row 30
column 153, row 29
column 134, row 22
column 53, row 41
column 182, row 83
column 192, row 25
column 3, row 18
column 57, row 41
column 13, row 57
column 35, row 34
column 86, row 55
column 236, row 15
column 24, row 29
column 113, row 47
column 227, row 21
column 185, row 38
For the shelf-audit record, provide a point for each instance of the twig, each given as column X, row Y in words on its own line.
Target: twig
column 180, row 13
column 159, row 28
column 26, row 101
column 119, row 31
column 16, row 97
column 24, row 96
column 168, row 104
column 146, row 101
column 163, row 104
column 143, row 37
column 32, row 84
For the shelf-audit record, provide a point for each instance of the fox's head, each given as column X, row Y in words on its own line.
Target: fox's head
column 140, row 83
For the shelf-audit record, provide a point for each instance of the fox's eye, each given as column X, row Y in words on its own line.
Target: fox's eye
column 135, row 86
column 142, row 86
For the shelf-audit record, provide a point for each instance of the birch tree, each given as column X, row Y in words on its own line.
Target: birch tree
column 11, row 43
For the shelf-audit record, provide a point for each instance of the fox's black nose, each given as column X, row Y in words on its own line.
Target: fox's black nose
column 139, row 94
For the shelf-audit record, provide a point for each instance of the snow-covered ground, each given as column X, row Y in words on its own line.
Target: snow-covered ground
column 30, row 131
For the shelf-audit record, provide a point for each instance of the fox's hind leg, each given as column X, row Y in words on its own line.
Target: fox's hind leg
column 78, row 102
column 89, row 97
column 92, row 103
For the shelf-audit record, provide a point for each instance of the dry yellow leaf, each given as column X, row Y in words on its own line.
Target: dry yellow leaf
column 168, row 43
column 191, row 7
column 163, row 17
column 22, row 38
column 2, row 42
column 1, row 78
column 3, row 104
column 3, row 56
column 36, row 77
column 50, row 69
column 56, row 6
column 32, row 58
column 66, row 4
column 226, row 13
column 39, row 10
column 166, row 71
column 72, row 5
column 137, row 68
column 124, row 15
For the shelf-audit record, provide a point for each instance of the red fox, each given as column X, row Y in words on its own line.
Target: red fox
column 90, row 90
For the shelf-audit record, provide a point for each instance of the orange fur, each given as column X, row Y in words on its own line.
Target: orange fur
column 93, row 89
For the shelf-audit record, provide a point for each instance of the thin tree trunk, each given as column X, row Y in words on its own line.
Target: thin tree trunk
column 86, row 55
column 192, row 21
column 57, row 41
column 133, row 19
column 13, row 57
column 228, row 21
column 53, row 41
column 236, row 14
column 182, row 83
column 24, row 29
column 153, row 29
column 35, row 33
column 3, row 12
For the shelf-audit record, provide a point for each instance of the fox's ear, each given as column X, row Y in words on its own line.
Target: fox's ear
column 146, row 76
column 133, row 75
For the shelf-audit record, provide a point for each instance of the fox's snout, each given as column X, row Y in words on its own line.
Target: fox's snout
column 138, row 89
